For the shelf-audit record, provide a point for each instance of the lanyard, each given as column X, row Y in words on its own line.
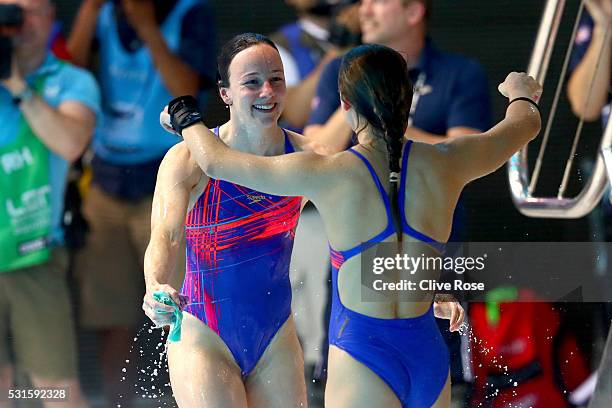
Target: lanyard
column 416, row 95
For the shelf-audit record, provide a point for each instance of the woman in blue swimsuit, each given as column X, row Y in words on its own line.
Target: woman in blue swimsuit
column 382, row 353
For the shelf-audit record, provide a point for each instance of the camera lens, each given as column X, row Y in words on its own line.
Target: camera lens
column 11, row 16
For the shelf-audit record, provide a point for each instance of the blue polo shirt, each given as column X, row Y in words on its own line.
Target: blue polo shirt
column 64, row 82
column 454, row 92
column 584, row 35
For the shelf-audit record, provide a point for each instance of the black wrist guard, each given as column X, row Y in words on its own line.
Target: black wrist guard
column 183, row 112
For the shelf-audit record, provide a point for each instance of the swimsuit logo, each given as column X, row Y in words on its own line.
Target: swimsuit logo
column 256, row 198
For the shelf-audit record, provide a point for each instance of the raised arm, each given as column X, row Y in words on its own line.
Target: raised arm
column 417, row 135
column 469, row 157
column 83, row 31
column 587, row 101
column 177, row 178
column 296, row 174
column 67, row 128
column 178, row 76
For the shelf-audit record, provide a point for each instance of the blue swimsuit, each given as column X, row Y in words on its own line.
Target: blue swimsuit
column 408, row 354
column 239, row 244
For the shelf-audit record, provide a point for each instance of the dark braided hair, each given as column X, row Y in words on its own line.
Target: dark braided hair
column 374, row 80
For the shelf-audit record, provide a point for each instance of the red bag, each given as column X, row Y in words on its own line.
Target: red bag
column 519, row 358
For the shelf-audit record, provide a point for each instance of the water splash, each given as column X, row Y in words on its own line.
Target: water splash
column 496, row 362
column 150, row 368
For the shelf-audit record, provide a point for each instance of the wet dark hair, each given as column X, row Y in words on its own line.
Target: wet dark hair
column 229, row 50
column 374, row 81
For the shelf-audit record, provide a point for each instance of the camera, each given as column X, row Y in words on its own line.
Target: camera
column 11, row 20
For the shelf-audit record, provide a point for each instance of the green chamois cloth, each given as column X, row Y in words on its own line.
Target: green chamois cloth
column 175, row 327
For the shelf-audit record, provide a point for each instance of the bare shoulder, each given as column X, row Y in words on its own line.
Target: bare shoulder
column 177, row 157
column 347, row 170
column 434, row 164
column 425, row 156
column 178, row 166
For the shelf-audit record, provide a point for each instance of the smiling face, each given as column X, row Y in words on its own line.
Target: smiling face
column 384, row 21
column 256, row 91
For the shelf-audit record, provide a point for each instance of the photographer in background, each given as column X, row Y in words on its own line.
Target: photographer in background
column 306, row 46
column 149, row 52
column 47, row 114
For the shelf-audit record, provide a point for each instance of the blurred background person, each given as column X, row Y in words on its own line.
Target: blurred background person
column 47, row 114
column 323, row 29
column 148, row 51
column 588, row 87
column 304, row 48
column 440, row 79
column 589, row 91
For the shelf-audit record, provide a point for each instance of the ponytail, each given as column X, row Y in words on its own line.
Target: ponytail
column 393, row 139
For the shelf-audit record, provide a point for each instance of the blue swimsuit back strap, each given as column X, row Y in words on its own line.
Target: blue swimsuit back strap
column 406, row 228
column 390, row 229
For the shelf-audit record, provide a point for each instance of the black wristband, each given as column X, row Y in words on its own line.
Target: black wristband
column 524, row 98
column 183, row 112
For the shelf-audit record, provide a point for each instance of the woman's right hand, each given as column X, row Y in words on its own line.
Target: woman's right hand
column 161, row 314
column 519, row 84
